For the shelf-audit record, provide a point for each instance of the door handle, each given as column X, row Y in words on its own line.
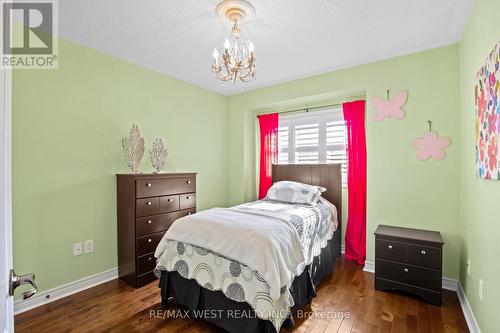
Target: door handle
column 19, row 280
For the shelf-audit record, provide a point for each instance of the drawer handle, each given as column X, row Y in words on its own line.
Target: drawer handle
column 169, row 200
column 390, row 247
column 148, row 184
column 150, row 259
column 423, row 252
column 149, row 221
column 149, row 203
column 149, row 240
column 187, row 198
column 405, row 270
column 188, row 182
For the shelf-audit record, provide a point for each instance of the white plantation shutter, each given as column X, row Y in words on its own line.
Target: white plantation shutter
column 282, row 144
column 313, row 137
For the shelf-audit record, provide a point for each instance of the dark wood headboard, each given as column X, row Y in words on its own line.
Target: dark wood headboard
column 326, row 175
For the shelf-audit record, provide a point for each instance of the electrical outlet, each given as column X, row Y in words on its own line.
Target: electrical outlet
column 481, row 287
column 468, row 267
column 89, row 246
column 77, row 249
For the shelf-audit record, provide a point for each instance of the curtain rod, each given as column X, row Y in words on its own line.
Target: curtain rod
column 312, row 108
column 306, row 109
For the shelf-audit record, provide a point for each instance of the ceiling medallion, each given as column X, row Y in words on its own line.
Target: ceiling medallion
column 237, row 61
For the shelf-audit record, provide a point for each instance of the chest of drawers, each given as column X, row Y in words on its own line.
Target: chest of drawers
column 147, row 205
column 409, row 260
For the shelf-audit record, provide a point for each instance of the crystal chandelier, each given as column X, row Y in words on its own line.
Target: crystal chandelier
column 237, row 61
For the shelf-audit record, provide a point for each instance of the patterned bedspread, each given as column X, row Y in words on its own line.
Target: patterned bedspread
column 314, row 226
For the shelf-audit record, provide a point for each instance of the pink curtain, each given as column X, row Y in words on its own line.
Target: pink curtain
column 355, row 236
column 268, row 150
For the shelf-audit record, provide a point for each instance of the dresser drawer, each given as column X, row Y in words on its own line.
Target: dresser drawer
column 423, row 256
column 146, row 263
column 187, row 200
column 165, row 186
column 153, row 224
column 147, row 244
column 169, row 204
column 409, row 274
column 390, row 250
column 144, row 279
column 187, row 212
column 148, row 206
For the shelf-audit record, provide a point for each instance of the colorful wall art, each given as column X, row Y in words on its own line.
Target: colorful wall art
column 487, row 103
column 390, row 108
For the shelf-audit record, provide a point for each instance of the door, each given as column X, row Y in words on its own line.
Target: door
column 6, row 300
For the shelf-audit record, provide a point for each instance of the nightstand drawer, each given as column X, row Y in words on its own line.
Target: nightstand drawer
column 147, row 244
column 187, row 200
column 159, row 187
column 423, row 256
column 409, row 274
column 146, row 207
column 390, row 250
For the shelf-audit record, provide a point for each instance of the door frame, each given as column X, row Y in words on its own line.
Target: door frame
column 6, row 188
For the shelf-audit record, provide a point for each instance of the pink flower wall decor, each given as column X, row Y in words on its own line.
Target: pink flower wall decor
column 390, row 108
column 431, row 145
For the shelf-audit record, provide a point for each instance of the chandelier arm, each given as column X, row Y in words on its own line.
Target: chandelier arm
column 217, row 70
column 251, row 71
column 223, row 77
column 247, row 78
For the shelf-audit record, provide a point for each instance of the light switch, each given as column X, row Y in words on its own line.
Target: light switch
column 89, row 246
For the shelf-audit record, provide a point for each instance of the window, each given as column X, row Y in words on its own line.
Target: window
column 314, row 137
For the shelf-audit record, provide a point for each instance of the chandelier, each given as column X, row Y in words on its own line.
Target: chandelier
column 237, row 61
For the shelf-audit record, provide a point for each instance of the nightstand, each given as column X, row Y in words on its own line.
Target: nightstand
column 409, row 260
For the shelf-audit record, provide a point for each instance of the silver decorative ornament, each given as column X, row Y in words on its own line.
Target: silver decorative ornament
column 133, row 148
column 158, row 154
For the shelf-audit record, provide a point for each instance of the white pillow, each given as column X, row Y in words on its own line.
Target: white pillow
column 293, row 192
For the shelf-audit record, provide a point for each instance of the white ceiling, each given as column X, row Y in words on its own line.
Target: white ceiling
column 293, row 38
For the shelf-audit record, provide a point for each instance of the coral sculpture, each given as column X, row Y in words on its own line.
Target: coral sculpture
column 133, row 148
column 158, row 154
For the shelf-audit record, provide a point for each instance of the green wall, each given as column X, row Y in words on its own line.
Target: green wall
column 401, row 190
column 479, row 202
column 67, row 130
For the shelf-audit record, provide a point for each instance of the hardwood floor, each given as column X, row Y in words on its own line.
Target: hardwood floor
column 116, row 307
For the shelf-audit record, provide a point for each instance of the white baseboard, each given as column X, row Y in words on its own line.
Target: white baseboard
column 467, row 311
column 449, row 284
column 56, row 293
column 369, row 267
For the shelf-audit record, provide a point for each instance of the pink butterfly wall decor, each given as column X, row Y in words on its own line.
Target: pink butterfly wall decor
column 431, row 145
column 390, row 108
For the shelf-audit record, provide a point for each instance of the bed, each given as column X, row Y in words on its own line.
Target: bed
column 262, row 290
